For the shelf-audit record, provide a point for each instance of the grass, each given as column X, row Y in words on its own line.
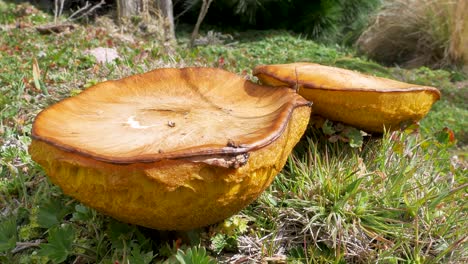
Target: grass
column 384, row 203
column 400, row 197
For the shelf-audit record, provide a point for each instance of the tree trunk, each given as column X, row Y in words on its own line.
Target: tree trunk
column 129, row 8
column 203, row 11
column 140, row 8
column 166, row 9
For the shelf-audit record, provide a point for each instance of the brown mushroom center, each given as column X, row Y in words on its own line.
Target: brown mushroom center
column 152, row 117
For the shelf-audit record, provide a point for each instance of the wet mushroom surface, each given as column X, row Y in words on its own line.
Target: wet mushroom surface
column 170, row 149
column 367, row 102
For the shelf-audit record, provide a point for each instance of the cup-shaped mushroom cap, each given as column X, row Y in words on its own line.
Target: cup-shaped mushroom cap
column 367, row 102
column 172, row 148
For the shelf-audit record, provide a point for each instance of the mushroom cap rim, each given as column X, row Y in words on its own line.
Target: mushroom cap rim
column 261, row 69
column 228, row 151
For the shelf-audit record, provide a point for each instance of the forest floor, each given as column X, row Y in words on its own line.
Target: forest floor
column 391, row 198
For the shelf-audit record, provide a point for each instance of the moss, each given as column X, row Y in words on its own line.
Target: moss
column 363, row 66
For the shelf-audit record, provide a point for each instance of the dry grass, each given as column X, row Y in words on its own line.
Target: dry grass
column 459, row 44
column 416, row 33
column 151, row 24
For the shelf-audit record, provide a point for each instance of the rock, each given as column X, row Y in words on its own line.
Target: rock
column 103, row 55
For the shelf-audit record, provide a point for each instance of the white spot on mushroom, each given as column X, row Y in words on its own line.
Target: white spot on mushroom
column 136, row 124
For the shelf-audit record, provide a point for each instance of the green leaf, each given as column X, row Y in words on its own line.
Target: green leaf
column 355, row 137
column 167, row 251
column 82, row 213
column 119, row 232
column 219, row 242
column 194, row 255
column 59, row 244
column 8, row 234
column 327, row 128
column 194, row 236
column 51, row 213
column 137, row 257
column 241, row 224
column 446, row 136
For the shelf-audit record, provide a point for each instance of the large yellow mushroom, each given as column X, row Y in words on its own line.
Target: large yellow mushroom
column 171, row 149
column 367, row 102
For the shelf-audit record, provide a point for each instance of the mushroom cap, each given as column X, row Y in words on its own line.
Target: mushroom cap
column 170, row 149
column 367, row 102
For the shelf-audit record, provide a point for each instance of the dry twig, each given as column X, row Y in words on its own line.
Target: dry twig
column 85, row 11
column 20, row 246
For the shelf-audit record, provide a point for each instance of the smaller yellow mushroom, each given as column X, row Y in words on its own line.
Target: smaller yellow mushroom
column 367, row 102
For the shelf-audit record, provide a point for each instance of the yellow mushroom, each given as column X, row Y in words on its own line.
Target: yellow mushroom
column 171, row 149
column 367, row 102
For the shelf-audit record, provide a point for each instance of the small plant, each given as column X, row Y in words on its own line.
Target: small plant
column 227, row 234
column 339, row 132
column 194, row 255
column 59, row 244
column 8, row 235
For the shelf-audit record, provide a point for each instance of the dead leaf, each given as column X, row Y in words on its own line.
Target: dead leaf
column 36, row 72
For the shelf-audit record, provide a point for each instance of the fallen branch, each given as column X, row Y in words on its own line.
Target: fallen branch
column 55, row 28
column 20, row 246
column 86, row 10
